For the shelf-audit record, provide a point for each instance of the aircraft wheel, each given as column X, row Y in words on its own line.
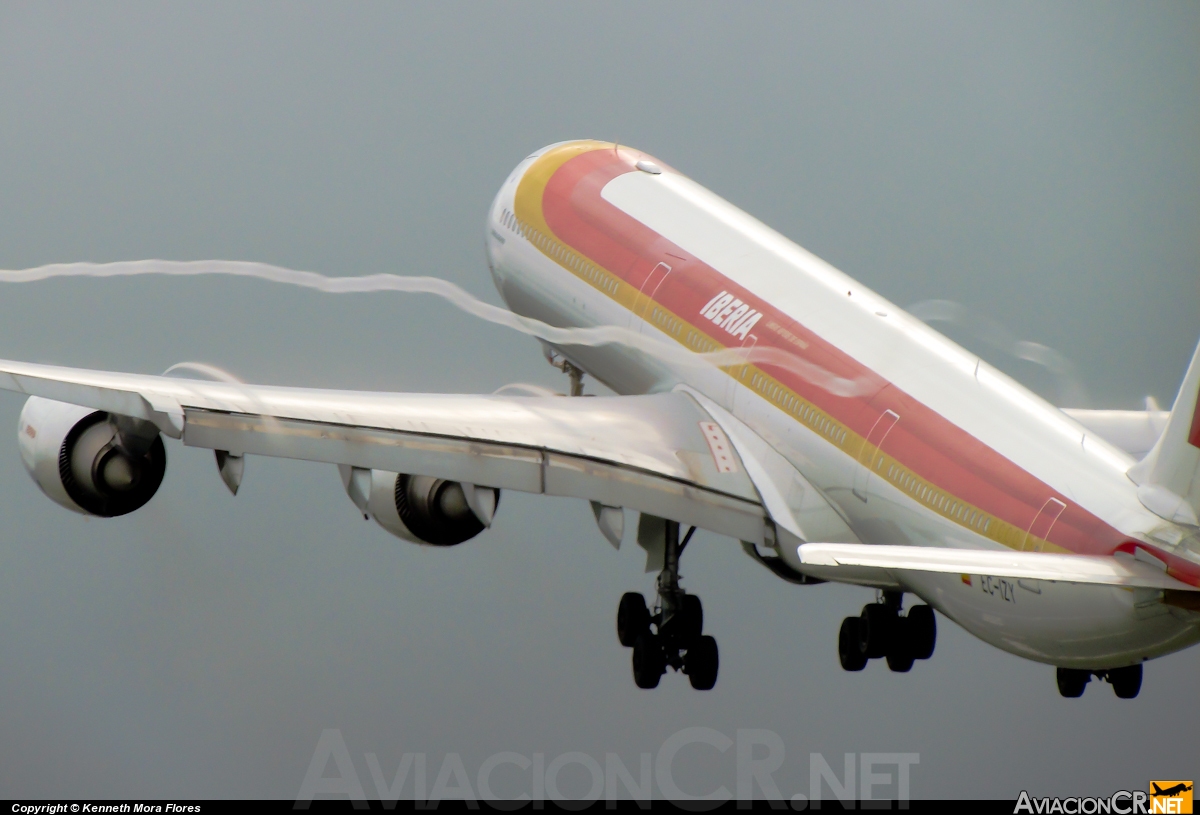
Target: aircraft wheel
column 687, row 623
column 690, row 619
column 1072, row 681
column 875, row 628
column 850, row 645
column 701, row 663
column 900, row 651
column 633, row 618
column 922, row 631
column 1126, row 682
column 648, row 662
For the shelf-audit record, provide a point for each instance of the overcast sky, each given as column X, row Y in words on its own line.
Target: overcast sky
column 1036, row 163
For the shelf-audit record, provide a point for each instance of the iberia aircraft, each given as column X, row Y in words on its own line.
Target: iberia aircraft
column 843, row 440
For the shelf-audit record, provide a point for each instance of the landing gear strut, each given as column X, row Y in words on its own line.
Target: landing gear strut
column 574, row 373
column 672, row 636
column 1126, row 682
column 881, row 631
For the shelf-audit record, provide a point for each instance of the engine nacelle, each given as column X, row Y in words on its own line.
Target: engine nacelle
column 420, row 508
column 89, row 461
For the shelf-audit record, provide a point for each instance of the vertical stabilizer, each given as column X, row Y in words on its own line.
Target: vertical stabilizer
column 1168, row 478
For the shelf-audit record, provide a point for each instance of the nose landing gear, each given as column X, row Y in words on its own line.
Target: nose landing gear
column 881, row 631
column 672, row 636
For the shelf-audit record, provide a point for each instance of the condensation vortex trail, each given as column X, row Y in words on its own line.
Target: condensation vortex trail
column 601, row 335
column 1071, row 388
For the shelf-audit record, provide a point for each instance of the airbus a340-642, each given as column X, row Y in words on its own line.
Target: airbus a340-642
column 844, row 441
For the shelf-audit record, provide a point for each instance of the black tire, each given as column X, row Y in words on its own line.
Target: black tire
column 1126, row 682
column 701, row 663
column 633, row 618
column 922, row 631
column 875, row 629
column 687, row 624
column 648, row 663
column 849, row 646
column 1072, row 681
column 900, row 650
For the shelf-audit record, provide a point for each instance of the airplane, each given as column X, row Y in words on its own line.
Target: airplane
column 762, row 395
column 1169, row 792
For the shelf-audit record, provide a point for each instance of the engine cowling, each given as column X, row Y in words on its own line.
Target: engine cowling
column 89, row 461
column 421, row 508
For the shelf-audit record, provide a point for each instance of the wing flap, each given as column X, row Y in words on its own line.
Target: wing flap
column 856, row 563
column 487, row 463
column 614, row 485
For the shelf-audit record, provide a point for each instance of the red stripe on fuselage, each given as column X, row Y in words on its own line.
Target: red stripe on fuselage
column 928, row 444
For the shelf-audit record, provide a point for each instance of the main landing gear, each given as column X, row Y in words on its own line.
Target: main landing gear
column 671, row 636
column 1126, row 682
column 881, row 631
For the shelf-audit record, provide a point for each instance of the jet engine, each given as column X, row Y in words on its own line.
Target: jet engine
column 89, row 461
column 421, row 508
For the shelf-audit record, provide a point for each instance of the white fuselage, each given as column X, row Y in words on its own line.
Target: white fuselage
column 911, row 438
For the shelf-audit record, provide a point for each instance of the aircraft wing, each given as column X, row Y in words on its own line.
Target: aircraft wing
column 661, row 454
column 861, row 563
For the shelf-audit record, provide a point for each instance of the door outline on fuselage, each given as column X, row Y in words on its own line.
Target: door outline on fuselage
column 868, row 460
column 1048, row 514
column 650, row 287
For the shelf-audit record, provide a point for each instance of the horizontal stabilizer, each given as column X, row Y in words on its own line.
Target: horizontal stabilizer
column 1134, row 431
column 856, row 562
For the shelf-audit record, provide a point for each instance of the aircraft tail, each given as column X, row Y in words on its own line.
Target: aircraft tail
column 1168, row 478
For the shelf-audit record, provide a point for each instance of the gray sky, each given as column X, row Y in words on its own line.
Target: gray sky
column 1036, row 163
